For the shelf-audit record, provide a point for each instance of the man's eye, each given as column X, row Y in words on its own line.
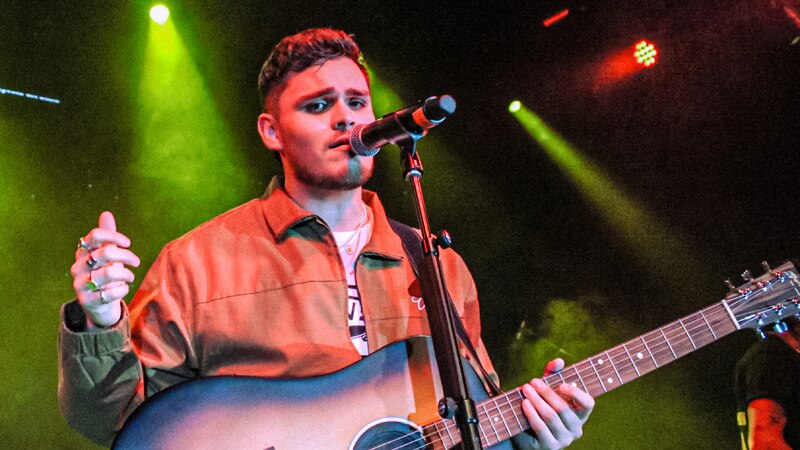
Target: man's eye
column 357, row 103
column 316, row 106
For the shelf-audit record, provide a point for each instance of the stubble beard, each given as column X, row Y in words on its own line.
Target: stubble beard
column 355, row 177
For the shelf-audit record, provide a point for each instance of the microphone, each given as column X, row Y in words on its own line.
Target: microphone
column 412, row 122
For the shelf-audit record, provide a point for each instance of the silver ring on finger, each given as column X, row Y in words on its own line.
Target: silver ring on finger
column 103, row 298
column 91, row 262
column 83, row 245
column 91, row 284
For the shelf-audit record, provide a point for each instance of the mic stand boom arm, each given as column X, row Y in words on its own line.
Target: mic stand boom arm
column 456, row 402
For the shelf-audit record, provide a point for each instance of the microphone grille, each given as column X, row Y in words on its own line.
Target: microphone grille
column 357, row 145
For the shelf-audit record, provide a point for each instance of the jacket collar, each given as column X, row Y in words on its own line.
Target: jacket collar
column 282, row 214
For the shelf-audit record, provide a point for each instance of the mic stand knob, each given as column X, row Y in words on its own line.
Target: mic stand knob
column 443, row 239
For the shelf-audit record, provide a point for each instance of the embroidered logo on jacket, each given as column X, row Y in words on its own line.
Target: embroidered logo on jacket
column 416, row 295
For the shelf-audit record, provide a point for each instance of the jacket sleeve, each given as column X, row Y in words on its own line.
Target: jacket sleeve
column 99, row 378
column 103, row 376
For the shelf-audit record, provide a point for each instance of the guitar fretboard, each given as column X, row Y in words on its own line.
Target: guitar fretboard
column 501, row 417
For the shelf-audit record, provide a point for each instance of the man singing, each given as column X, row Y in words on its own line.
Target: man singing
column 302, row 282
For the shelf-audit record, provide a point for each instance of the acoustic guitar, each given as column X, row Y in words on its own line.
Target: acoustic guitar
column 388, row 400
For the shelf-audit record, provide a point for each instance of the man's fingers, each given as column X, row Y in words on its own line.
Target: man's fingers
column 106, row 221
column 111, row 274
column 108, row 255
column 101, row 257
column 582, row 402
column 101, row 277
column 544, row 436
column 105, row 234
column 550, row 416
column 99, row 237
column 554, row 366
column 557, row 403
column 113, row 291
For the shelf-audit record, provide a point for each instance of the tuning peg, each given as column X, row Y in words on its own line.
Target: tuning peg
column 780, row 327
column 730, row 285
column 761, row 334
column 747, row 276
column 765, row 266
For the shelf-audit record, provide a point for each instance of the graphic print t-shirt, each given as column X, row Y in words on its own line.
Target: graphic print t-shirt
column 355, row 315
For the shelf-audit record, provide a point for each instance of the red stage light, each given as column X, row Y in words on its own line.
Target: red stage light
column 555, row 18
column 645, row 53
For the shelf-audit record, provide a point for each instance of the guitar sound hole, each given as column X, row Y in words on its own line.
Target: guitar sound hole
column 390, row 434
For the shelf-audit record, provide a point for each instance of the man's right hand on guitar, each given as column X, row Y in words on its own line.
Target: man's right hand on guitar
column 99, row 275
column 556, row 415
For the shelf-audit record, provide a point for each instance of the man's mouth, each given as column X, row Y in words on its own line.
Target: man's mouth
column 344, row 140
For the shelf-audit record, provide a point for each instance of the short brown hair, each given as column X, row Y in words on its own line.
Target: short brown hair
column 302, row 50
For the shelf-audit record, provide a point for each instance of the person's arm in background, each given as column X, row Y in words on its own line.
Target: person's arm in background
column 766, row 420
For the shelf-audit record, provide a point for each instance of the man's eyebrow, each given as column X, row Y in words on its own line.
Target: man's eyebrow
column 357, row 92
column 320, row 93
column 351, row 92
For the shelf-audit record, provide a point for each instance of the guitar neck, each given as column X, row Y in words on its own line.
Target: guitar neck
column 501, row 417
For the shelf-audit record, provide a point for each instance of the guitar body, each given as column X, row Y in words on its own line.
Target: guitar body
column 377, row 400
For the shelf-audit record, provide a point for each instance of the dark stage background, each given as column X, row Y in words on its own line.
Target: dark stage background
column 704, row 145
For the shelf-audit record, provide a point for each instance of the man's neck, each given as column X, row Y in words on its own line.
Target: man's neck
column 341, row 210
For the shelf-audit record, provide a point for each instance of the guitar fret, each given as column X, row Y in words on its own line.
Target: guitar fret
column 666, row 339
column 575, row 369
column 449, row 433
column 482, row 433
column 711, row 329
column 599, row 378
column 611, row 361
column 691, row 341
column 438, row 433
column 633, row 363
column 515, row 412
column 648, row 351
column 561, row 376
column 491, row 421
column 505, row 424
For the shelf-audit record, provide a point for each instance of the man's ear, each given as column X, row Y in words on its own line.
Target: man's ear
column 269, row 135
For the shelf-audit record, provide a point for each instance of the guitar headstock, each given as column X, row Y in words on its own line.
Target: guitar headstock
column 766, row 300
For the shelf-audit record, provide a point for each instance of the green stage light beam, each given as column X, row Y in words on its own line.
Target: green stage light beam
column 384, row 98
column 651, row 242
column 186, row 165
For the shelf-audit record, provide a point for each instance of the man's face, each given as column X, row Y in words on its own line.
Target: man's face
column 310, row 123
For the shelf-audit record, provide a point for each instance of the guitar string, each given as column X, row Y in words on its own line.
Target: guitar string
column 702, row 320
column 449, row 425
column 657, row 348
column 512, row 410
column 424, row 439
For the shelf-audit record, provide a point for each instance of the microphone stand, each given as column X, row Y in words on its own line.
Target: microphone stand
column 456, row 402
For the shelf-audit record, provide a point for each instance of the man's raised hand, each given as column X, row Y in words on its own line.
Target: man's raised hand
column 100, row 276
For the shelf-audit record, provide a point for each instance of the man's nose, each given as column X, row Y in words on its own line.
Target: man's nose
column 344, row 118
